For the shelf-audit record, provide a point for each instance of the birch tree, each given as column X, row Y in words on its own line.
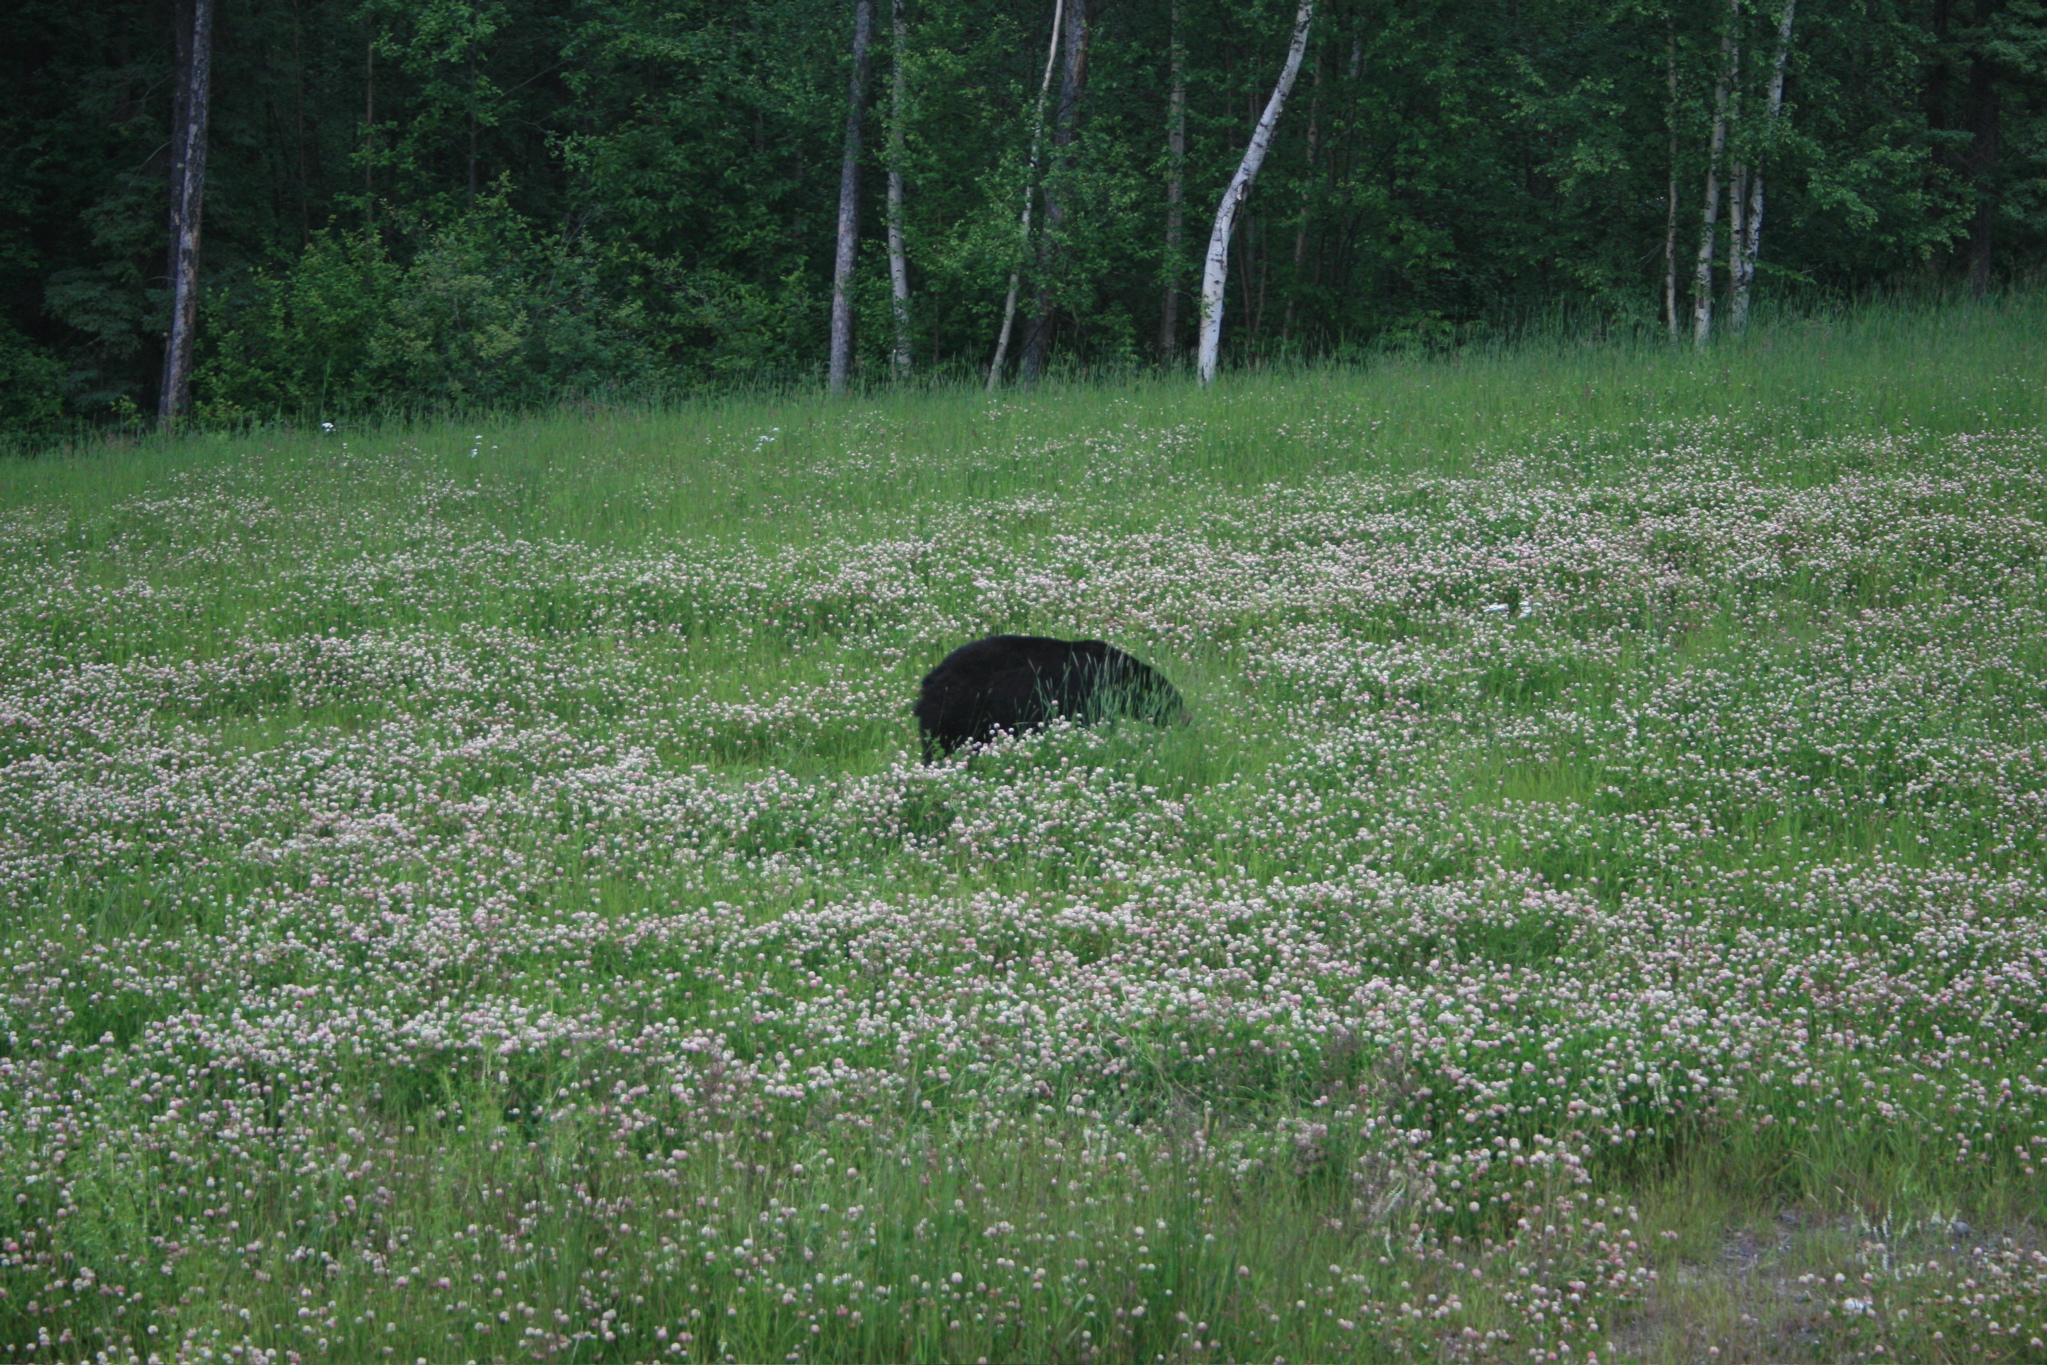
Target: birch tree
column 1176, row 171
column 849, row 203
column 1030, row 190
column 1709, row 213
column 704, row 145
column 1216, row 270
column 898, row 264
column 1747, row 241
column 1737, row 177
column 1065, row 121
column 188, row 192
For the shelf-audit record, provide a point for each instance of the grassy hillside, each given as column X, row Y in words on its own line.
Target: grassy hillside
column 469, row 893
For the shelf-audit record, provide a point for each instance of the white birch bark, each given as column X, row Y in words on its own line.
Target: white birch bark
column 849, row 203
column 1030, row 188
column 1737, row 206
column 1217, row 268
column 898, row 262
column 1073, row 45
column 188, row 193
column 1709, row 214
column 1750, row 239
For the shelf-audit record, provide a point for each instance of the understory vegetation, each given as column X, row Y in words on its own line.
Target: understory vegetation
column 470, row 892
column 452, row 205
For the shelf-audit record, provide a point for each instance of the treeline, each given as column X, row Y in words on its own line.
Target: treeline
column 441, row 203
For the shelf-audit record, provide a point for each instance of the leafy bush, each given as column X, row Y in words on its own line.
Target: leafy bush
column 484, row 310
column 31, row 384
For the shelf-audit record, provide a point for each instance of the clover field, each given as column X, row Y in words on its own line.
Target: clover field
column 469, row 893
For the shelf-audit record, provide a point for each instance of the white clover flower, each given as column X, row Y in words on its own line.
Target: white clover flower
column 508, row 779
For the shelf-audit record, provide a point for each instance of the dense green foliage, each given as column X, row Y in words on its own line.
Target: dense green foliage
column 469, row 202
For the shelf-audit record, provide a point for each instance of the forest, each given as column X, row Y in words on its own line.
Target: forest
column 446, row 205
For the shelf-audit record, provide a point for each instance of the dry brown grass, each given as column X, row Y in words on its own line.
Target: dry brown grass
column 1744, row 1282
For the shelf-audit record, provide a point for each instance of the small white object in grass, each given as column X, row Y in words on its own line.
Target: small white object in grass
column 327, row 427
column 767, row 438
column 1855, row 1308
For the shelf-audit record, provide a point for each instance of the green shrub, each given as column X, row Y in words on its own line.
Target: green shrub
column 31, row 385
column 481, row 311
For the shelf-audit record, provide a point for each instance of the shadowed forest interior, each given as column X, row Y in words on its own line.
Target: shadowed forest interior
column 460, row 203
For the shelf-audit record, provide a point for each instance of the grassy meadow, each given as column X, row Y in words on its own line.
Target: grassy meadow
column 468, row 892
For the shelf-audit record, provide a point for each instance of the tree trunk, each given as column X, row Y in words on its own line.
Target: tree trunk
column 298, row 54
column 1939, row 69
column 1737, row 211
column 473, row 185
column 1030, row 188
column 369, row 132
column 1065, row 123
column 1670, row 217
column 1709, row 216
column 1266, row 271
column 1243, row 251
column 1286, row 327
column 1176, row 165
column 849, row 203
column 1982, row 155
column 898, row 264
column 188, row 193
column 1215, row 271
column 1748, row 240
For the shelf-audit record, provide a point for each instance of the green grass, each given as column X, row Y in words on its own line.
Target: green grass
column 625, row 478
column 501, row 859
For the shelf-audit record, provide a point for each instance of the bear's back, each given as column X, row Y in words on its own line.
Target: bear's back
column 1017, row 682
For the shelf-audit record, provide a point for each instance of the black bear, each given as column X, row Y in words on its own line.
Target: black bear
column 1020, row 682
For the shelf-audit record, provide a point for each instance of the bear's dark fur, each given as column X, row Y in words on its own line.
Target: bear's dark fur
column 1020, row 682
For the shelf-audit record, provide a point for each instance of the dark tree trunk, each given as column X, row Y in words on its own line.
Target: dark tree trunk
column 1670, row 215
column 1982, row 158
column 849, row 203
column 1938, row 71
column 369, row 132
column 1065, row 124
column 1246, row 255
column 298, row 53
column 473, row 184
column 188, row 192
column 1030, row 190
column 1286, row 330
column 1176, row 166
column 898, row 261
